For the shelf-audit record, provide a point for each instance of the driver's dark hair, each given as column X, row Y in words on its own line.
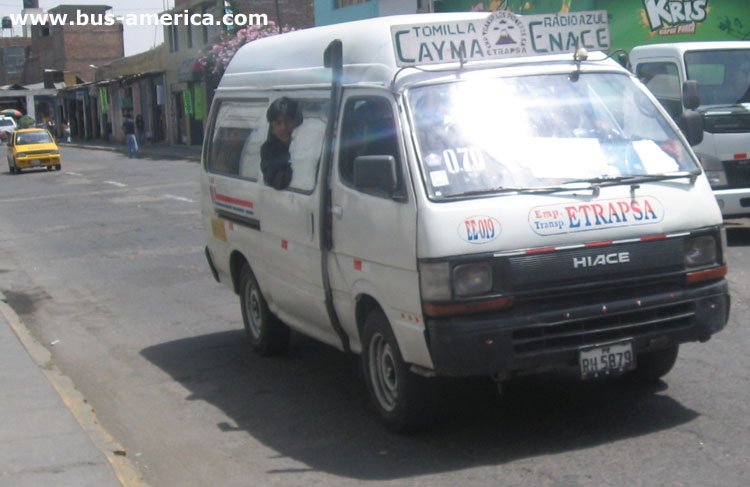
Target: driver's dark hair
column 285, row 107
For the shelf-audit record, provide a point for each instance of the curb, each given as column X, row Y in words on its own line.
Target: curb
column 114, row 453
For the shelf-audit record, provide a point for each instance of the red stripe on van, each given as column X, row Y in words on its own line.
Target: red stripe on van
column 541, row 250
column 233, row 201
column 598, row 244
column 653, row 237
column 740, row 156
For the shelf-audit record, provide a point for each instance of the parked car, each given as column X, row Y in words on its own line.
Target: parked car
column 32, row 148
column 7, row 127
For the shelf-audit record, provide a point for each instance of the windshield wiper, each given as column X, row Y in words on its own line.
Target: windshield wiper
column 637, row 178
column 523, row 190
column 593, row 184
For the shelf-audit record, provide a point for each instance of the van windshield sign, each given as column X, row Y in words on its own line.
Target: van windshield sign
column 501, row 35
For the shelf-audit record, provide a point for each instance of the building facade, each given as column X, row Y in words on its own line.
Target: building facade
column 13, row 51
column 76, row 49
column 189, row 90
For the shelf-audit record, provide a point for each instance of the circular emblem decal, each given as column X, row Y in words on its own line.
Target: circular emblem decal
column 504, row 35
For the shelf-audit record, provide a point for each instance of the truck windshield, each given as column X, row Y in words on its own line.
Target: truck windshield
column 500, row 135
column 723, row 76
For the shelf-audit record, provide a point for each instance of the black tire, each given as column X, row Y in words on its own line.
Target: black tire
column 405, row 401
column 266, row 333
column 652, row 366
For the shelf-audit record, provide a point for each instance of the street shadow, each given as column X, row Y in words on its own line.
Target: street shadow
column 312, row 406
column 738, row 236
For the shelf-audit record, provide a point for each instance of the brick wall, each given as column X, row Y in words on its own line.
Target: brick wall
column 74, row 48
column 295, row 13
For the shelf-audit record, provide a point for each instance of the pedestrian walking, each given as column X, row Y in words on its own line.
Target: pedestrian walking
column 66, row 131
column 128, row 127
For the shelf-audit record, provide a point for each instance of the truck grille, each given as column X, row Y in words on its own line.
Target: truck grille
column 572, row 334
column 738, row 173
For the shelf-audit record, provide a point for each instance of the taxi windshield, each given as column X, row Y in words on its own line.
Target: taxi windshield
column 25, row 138
column 505, row 134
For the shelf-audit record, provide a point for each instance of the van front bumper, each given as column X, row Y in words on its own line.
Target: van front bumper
column 527, row 339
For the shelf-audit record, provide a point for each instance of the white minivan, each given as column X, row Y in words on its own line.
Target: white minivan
column 451, row 195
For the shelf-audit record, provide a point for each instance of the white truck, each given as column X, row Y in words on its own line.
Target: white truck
column 722, row 72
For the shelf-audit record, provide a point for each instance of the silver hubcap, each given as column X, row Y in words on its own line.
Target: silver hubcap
column 252, row 310
column 382, row 369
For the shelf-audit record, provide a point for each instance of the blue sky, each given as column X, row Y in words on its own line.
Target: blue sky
column 137, row 38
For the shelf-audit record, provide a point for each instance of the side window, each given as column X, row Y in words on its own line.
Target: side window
column 368, row 129
column 663, row 80
column 239, row 131
column 306, row 146
column 291, row 151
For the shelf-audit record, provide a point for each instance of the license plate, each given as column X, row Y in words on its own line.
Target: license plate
column 36, row 163
column 605, row 360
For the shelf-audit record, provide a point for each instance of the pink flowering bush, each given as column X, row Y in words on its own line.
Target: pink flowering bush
column 216, row 59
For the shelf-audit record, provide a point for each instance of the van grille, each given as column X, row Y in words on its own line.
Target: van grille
column 573, row 334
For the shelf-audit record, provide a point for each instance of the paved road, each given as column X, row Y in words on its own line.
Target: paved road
column 105, row 260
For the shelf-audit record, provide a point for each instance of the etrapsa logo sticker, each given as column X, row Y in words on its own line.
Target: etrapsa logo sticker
column 583, row 217
column 479, row 229
column 504, row 35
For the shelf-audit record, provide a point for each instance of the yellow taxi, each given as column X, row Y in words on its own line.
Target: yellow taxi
column 32, row 148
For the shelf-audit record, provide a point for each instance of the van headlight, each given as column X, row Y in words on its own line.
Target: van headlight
column 472, row 279
column 701, row 251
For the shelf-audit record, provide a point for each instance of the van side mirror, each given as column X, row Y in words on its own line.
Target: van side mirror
column 623, row 59
column 690, row 96
column 691, row 124
column 375, row 174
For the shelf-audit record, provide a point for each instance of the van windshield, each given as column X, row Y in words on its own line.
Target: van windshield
column 498, row 135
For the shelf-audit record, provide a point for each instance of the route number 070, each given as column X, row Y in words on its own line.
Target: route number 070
column 464, row 159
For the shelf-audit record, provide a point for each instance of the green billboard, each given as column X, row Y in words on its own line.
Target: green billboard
column 636, row 22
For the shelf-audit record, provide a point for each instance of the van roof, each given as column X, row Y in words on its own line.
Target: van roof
column 295, row 59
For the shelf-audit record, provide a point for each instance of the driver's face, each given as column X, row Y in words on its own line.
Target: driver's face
column 282, row 128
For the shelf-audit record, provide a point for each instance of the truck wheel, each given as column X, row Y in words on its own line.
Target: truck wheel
column 652, row 366
column 405, row 402
column 267, row 334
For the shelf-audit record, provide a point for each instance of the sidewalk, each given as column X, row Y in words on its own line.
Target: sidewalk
column 41, row 443
column 191, row 153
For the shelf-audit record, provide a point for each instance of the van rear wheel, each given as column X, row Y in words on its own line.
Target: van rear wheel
column 405, row 402
column 266, row 333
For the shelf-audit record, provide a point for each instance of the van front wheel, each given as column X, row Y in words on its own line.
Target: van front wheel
column 652, row 366
column 405, row 402
column 266, row 333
